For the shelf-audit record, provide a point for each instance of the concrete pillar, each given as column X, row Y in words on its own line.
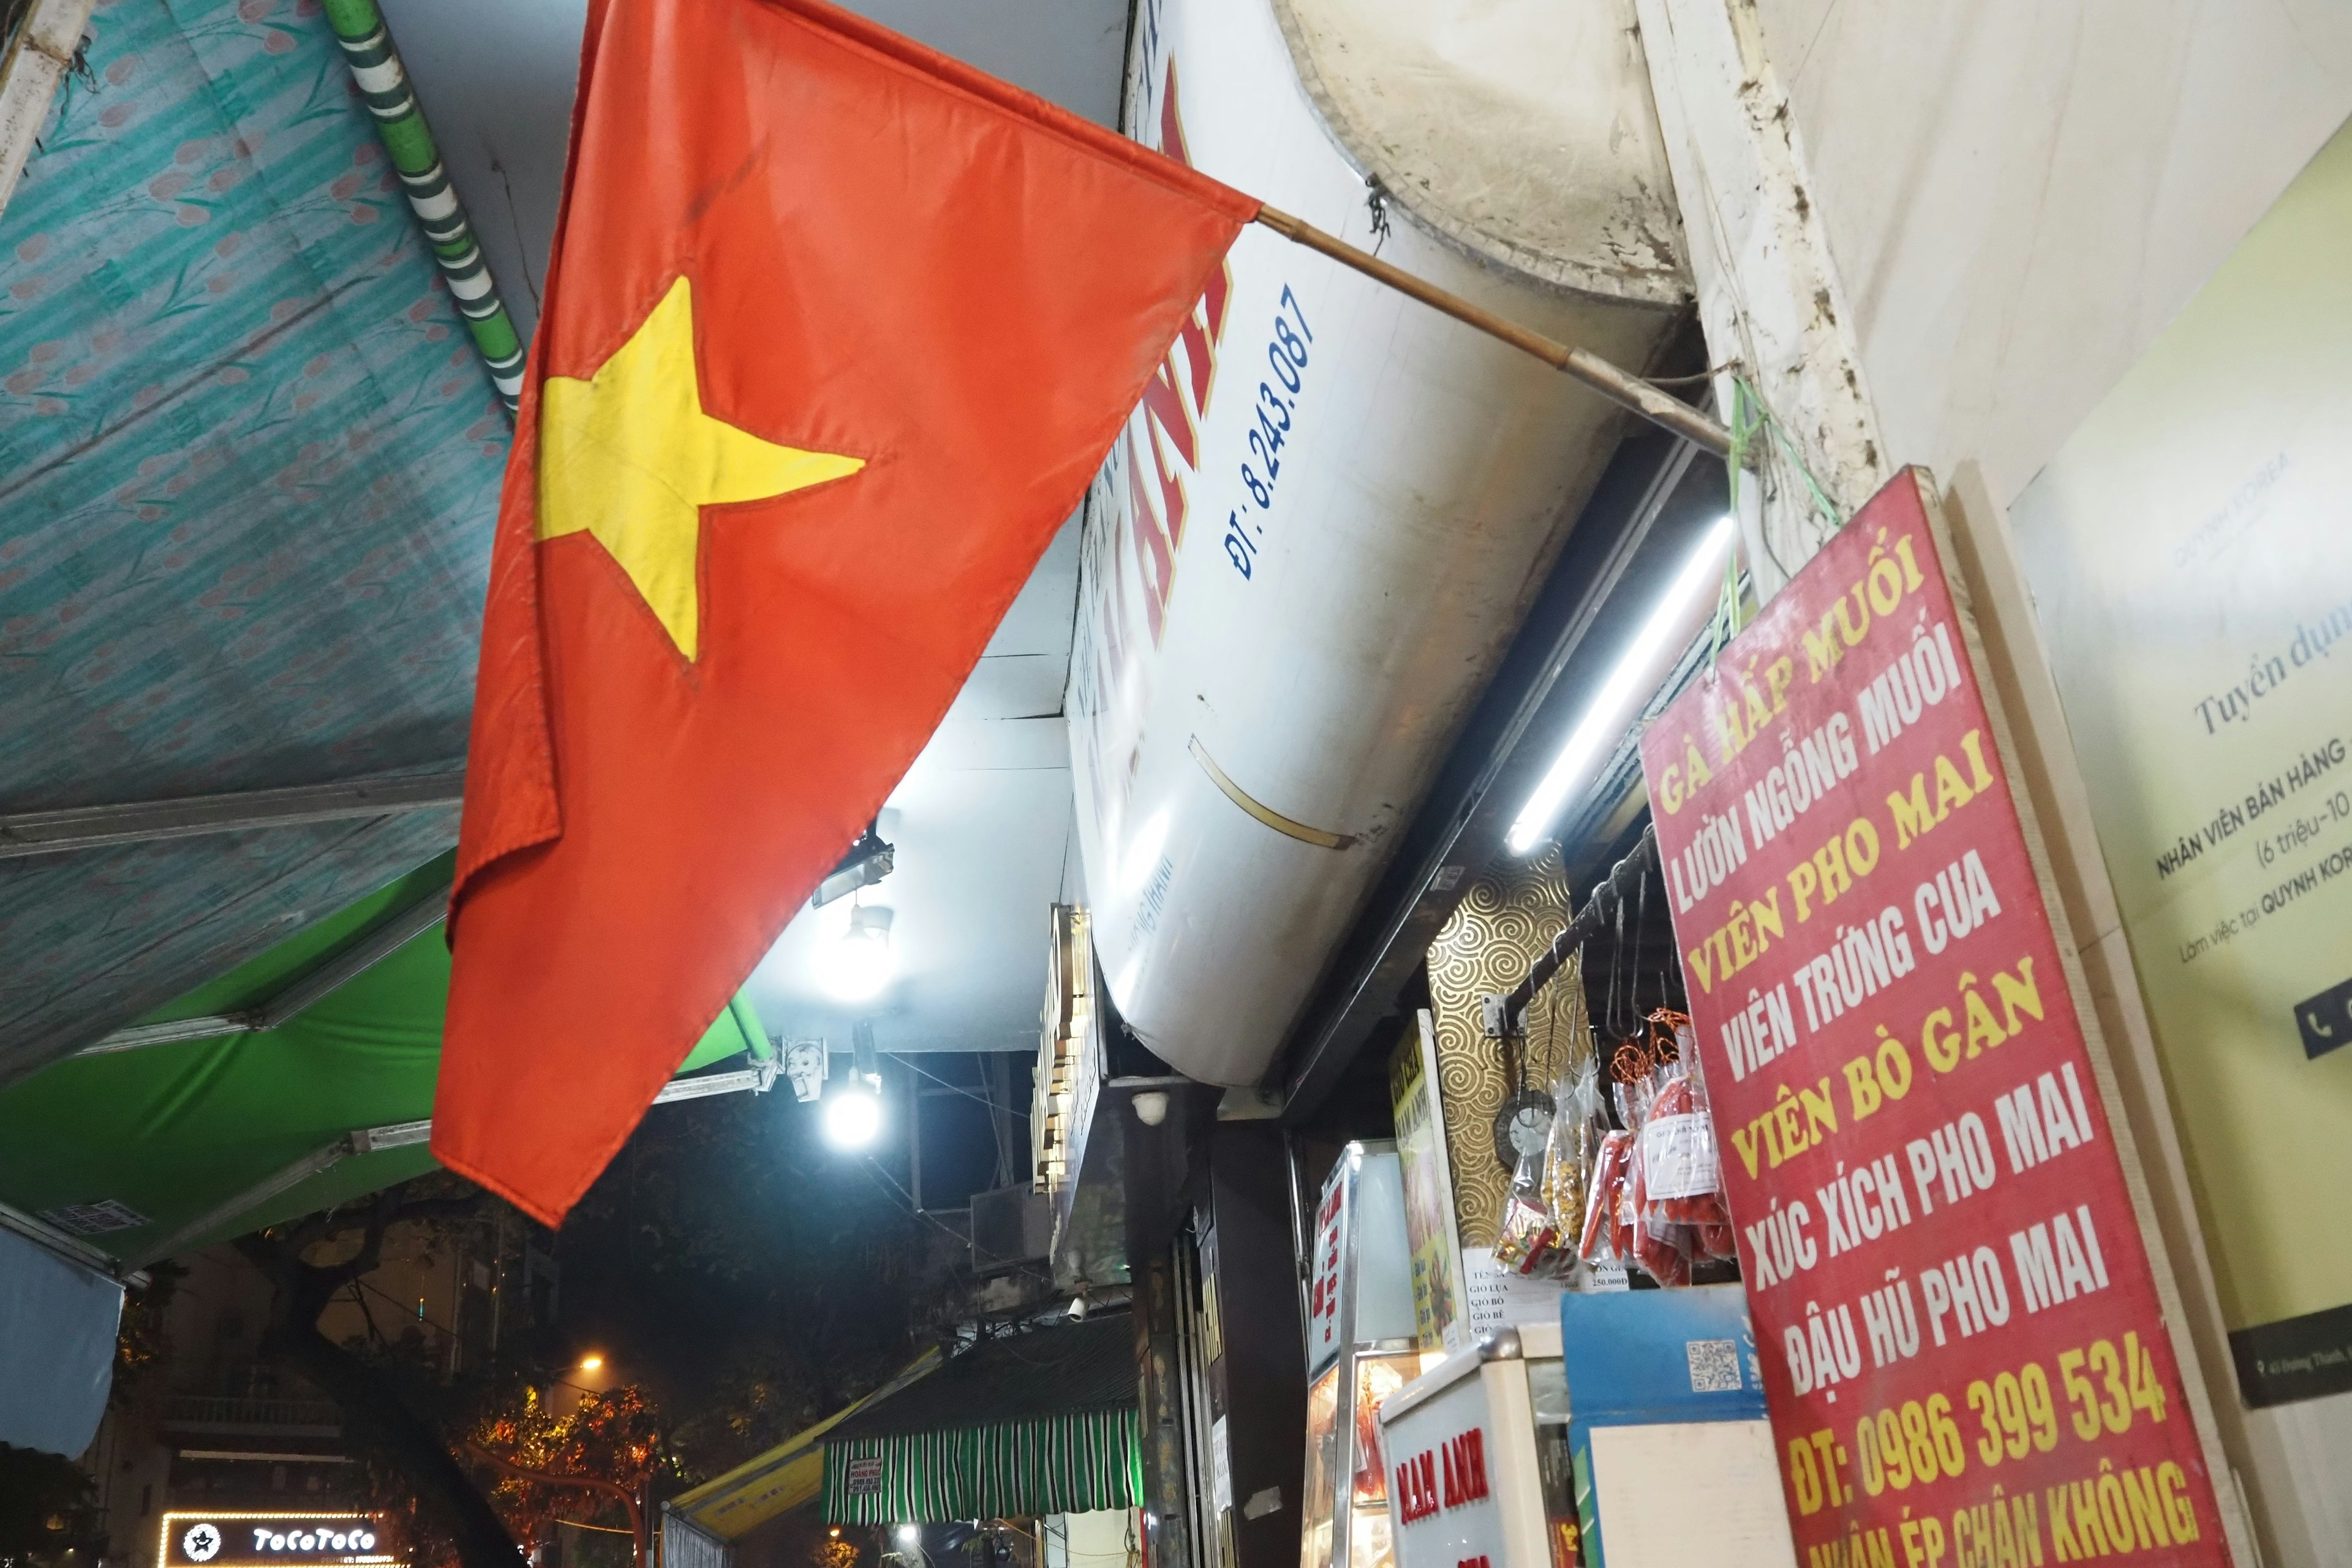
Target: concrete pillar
column 1769, row 295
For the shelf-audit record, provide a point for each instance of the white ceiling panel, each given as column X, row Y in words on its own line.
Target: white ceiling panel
column 983, row 828
column 496, row 82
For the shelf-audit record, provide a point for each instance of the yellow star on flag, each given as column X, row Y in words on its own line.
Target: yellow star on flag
column 629, row 456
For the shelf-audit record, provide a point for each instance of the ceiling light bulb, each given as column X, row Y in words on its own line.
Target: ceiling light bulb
column 859, row 966
column 1604, row 721
column 852, row 1116
column 908, row 1534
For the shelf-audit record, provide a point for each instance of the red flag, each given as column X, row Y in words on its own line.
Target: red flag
column 835, row 333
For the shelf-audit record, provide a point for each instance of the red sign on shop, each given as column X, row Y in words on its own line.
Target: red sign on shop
column 1964, row 1354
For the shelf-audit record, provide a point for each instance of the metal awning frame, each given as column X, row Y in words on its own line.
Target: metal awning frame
column 56, row 832
column 337, row 969
column 758, row 1078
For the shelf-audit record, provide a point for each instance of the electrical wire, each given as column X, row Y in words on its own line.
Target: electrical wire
column 908, row 1062
column 1000, row 1116
column 434, row 1323
column 906, row 1200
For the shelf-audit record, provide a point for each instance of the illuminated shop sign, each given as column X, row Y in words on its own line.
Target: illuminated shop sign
column 269, row 1540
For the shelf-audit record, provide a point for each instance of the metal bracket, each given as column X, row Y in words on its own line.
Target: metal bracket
column 1495, row 1016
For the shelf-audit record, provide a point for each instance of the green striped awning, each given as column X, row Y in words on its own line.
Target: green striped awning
column 1076, row 1462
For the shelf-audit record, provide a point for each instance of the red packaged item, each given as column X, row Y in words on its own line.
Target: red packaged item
column 1664, row 1257
column 1608, row 1231
column 1684, row 1171
column 1717, row 1241
column 1661, row 1247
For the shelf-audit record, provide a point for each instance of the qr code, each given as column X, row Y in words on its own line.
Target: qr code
column 1714, row 1366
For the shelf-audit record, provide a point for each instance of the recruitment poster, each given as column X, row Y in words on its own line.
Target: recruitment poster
column 2190, row 551
column 1964, row 1353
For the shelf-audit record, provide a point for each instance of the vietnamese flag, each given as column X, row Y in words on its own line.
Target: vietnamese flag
column 835, row 334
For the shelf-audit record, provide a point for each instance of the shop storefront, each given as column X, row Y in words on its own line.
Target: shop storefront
column 1012, row 1436
column 1707, row 945
column 1820, row 990
column 1359, row 1349
column 271, row 1539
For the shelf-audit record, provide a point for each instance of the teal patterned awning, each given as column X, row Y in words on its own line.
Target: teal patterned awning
column 1075, row 1463
column 249, row 468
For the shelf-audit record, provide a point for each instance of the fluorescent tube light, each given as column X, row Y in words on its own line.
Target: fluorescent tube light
column 1669, row 629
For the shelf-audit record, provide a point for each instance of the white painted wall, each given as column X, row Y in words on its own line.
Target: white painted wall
column 1098, row 1539
column 2018, row 194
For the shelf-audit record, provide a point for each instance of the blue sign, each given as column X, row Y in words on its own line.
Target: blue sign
column 1638, row 1358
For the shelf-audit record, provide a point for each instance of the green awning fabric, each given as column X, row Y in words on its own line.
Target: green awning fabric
column 1073, row 1463
column 786, row 1477
column 168, row 1132
column 1040, row 1423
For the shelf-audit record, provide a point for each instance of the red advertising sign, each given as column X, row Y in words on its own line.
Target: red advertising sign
column 1964, row 1354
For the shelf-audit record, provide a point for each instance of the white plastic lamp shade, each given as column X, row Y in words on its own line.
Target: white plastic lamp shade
column 859, row 967
column 852, row 1116
column 1671, row 625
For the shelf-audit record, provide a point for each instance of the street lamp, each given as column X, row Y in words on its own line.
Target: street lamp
column 852, row 1115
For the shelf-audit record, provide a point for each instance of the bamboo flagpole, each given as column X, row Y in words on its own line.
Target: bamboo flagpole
column 1630, row 391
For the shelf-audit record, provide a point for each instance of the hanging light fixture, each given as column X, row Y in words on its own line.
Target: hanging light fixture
column 868, row 862
column 852, row 1114
column 859, row 966
column 1672, row 624
column 851, row 1110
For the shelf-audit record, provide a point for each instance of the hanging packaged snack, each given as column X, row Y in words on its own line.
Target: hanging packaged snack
column 1607, row 1223
column 1578, row 1124
column 1662, row 1249
column 1609, row 1214
column 1630, row 1087
column 1681, row 1167
column 1532, row 1241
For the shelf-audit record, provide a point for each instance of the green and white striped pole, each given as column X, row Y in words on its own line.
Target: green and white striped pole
column 384, row 83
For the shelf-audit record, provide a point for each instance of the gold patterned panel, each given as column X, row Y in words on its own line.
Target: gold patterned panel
column 1508, row 920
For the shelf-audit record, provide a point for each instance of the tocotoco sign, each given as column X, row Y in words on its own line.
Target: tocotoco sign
column 269, row 1540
